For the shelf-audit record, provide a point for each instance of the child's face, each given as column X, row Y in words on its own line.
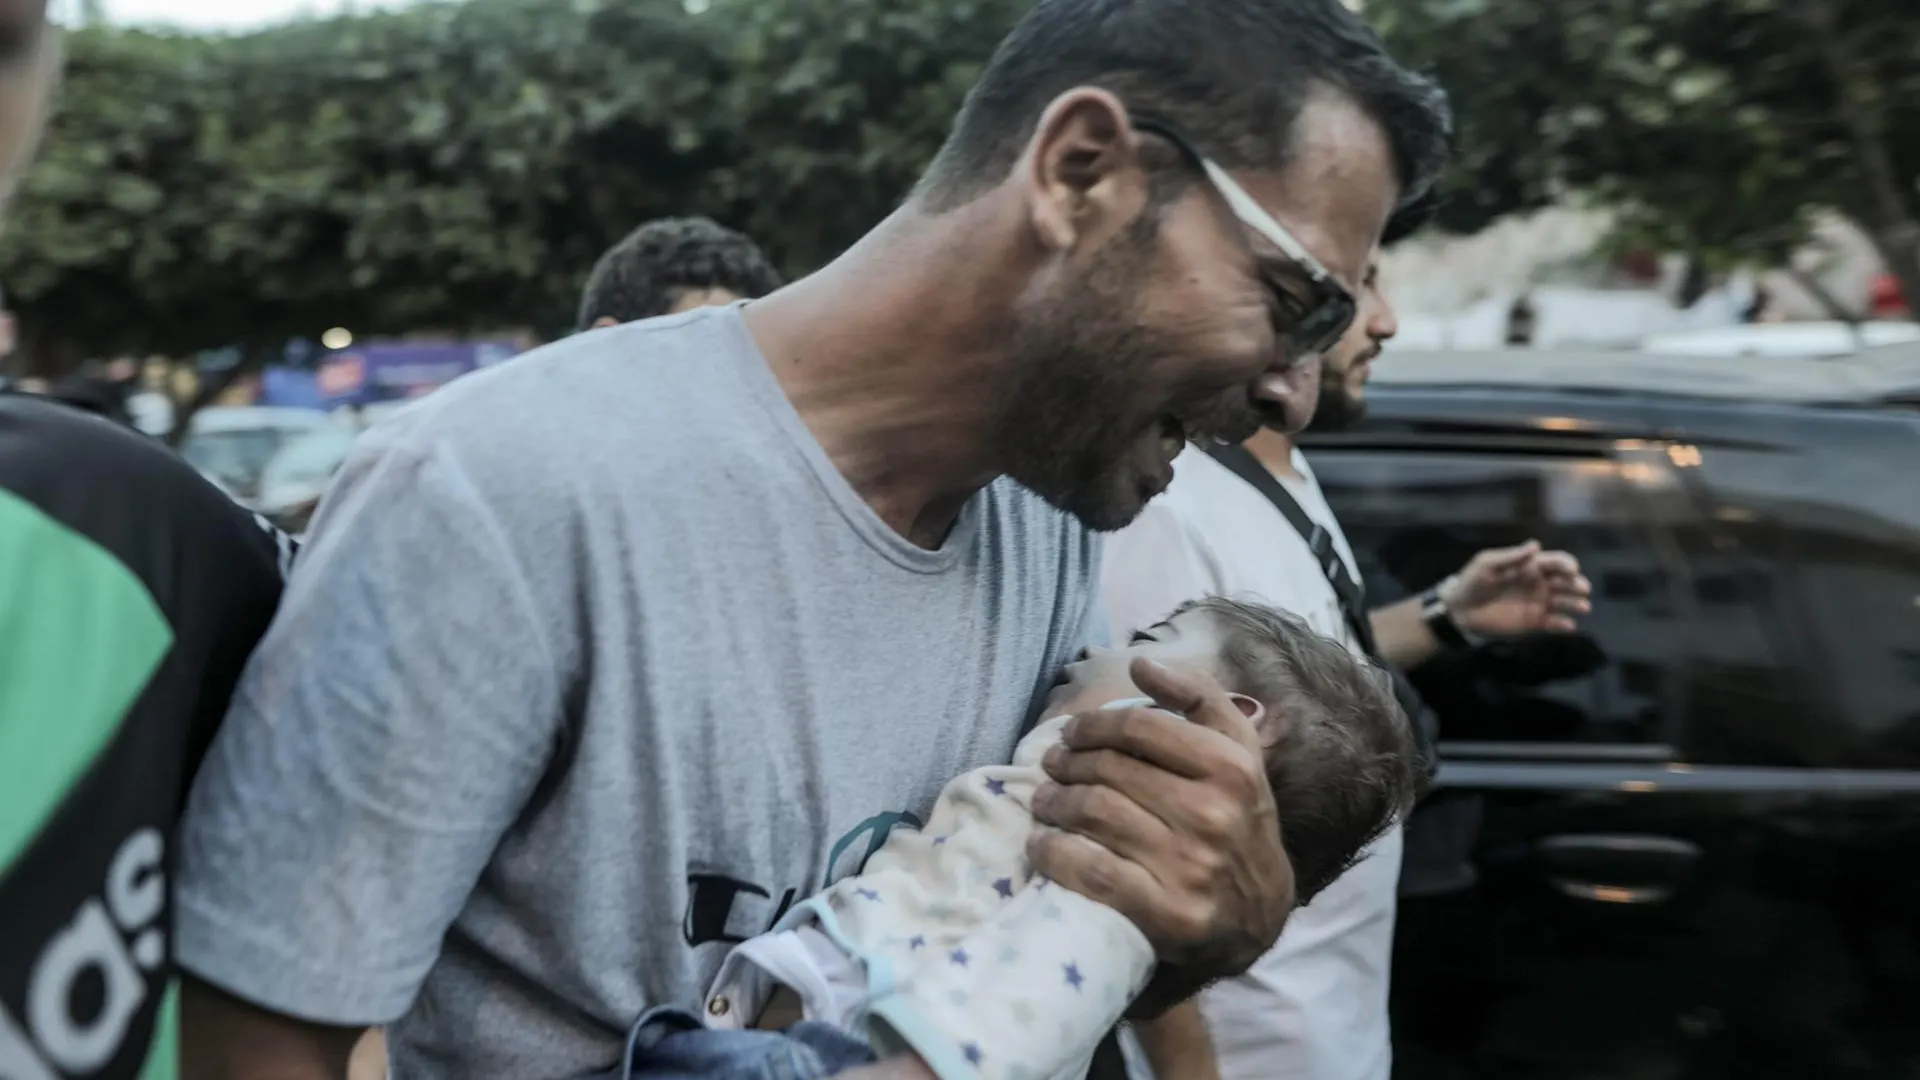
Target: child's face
column 1190, row 641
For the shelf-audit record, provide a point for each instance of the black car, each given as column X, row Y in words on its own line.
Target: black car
column 1688, row 837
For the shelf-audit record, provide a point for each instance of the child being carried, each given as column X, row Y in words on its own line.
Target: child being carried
column 948, row 945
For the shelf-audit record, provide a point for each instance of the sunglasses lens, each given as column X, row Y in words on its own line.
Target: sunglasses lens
column 1323, row 327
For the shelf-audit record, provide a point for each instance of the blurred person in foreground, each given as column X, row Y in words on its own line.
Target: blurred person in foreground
column 673, row 265
column 756, row 580
column 1315, row 1007
column 131, row 592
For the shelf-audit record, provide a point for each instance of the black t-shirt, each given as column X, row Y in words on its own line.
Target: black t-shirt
column 131, row 593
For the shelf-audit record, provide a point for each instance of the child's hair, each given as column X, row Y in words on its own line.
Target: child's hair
column 1347, row 764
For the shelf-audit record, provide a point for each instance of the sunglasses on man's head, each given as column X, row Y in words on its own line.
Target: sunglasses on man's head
column 1314, row 322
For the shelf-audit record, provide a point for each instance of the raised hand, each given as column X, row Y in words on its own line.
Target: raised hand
column 1505, row 592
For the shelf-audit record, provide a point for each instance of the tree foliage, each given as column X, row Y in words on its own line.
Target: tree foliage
column 452, row 166
column 837, row 105
column 1716, row 127
column 456, row 166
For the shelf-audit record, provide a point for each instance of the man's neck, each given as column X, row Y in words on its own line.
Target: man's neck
column 1274, row 451
column 889, row 356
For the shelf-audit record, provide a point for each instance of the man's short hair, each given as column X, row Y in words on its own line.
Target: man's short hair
column 645, row 274
column 1349, row 764
column 1229, row 75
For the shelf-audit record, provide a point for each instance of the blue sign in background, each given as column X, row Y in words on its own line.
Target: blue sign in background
column 385, row 371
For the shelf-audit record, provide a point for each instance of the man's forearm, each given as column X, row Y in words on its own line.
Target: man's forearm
column 1177, row 1044
column 1403, row 637
column 224, row 1038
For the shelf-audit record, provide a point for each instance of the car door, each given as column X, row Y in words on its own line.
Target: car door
column 1822, row 920
column 1643, row 894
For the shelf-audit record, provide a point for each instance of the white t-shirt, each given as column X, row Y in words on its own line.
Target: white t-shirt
column 1315, row 1007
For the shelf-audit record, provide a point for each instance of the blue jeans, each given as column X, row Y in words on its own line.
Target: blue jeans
column 671, row 1044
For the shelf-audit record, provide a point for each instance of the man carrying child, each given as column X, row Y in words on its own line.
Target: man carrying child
column 600, row 661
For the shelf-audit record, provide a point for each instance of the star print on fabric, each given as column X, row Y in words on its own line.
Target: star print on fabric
column 1023, row 1013
column 1051, row 913
column 1009, row 956
column 917, row 942
column 972, row 1050
column 1004, row 887
column 939, row 841
column 958, row 957
column 867, row 894
column 1074, row 978
column 998, row 787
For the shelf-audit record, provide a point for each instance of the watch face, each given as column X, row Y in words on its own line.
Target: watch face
column 1440, row 621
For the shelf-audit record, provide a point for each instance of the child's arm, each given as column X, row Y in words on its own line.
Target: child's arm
column 974, row 964
column 1029, row 993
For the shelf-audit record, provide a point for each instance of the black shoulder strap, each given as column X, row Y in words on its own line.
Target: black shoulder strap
column 1351, row 594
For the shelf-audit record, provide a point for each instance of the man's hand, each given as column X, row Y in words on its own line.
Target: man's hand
column 1170, row 822
column 1504, row 592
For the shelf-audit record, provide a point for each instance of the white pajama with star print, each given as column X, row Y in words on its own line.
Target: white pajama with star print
column 957, row 949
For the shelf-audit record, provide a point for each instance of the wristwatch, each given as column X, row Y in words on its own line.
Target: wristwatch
column 1440, row 621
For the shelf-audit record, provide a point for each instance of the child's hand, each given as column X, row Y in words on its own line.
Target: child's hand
column 1171, row 823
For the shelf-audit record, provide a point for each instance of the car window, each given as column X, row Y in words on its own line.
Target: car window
column 236, row 457
column 1860, row 590
column 1848, row 529
column 1413, row 517
column 309, row 458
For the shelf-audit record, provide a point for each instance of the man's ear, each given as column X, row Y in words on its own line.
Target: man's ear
column 1083, row 171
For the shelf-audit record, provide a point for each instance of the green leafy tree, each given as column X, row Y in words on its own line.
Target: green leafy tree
column 441, row 167
column 459, row 166
column 1721, row 128
column 835, row 107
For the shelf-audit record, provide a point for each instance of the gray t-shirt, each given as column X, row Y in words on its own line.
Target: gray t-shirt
column 592, row 666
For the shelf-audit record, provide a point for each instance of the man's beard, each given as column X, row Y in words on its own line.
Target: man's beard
column 1074, row 409
column 1340, row 408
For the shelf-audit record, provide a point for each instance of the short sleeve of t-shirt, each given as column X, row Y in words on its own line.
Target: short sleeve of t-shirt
column 394, row 763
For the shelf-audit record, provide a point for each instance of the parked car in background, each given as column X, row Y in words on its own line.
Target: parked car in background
column 232, row 444
column 300, row 472
column 1693, row 825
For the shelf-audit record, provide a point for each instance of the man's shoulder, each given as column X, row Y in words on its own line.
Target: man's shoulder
column 1205, row 495
column 46, row 444
column 642, row 366
column 1254, row 543
column 122, row 489
column 632, row 398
